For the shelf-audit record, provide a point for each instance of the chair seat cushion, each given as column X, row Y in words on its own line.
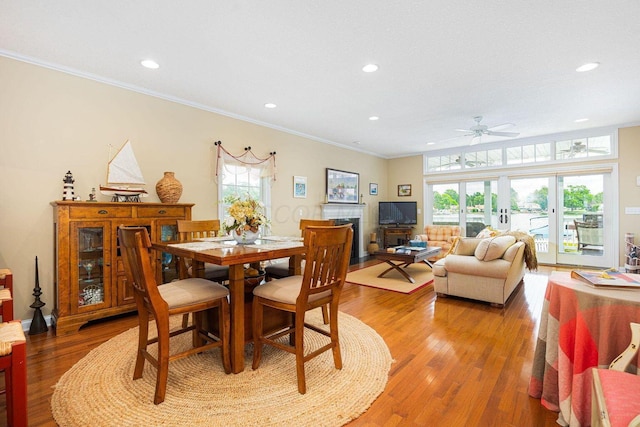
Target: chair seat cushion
column 214, row 272
column 279, row 269
column 191, row 291
column 284, row 290
column 10, row 332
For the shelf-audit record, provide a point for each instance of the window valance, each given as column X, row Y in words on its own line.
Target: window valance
column 228, row 164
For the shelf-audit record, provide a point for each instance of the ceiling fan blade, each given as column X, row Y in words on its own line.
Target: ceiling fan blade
column 501, row 126
column 508, row 134
column 461, row 130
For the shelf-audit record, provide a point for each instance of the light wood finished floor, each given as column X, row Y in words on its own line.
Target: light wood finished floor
column 457, row 362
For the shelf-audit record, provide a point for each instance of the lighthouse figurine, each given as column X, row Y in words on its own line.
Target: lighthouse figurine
column 67, row 193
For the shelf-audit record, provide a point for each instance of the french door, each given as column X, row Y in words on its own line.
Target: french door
column 470, row 204
column 569, row 214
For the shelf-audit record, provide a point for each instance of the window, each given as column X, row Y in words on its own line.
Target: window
column 583, row 147
column 242, row 181
column 242, row 176
column 521, row 152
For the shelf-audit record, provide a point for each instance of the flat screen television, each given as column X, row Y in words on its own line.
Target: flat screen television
column 398, row 213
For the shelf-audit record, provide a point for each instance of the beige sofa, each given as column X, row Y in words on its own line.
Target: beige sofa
column 481, row 269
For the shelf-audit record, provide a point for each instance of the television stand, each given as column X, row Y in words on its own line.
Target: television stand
column 401, row 233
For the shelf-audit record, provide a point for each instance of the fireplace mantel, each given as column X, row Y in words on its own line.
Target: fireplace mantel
column 343, row 211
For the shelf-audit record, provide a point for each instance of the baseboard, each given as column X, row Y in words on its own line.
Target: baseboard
column 26, row 324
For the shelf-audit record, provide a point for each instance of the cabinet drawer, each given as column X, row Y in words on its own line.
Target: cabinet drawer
column 161, row 212
column 98, row 212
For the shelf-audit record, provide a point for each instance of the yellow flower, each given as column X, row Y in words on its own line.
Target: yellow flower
column 244, row 215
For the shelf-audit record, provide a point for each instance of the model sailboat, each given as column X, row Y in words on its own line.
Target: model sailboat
column 124, row 177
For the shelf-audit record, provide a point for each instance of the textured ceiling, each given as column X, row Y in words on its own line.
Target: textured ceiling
column 441, row 62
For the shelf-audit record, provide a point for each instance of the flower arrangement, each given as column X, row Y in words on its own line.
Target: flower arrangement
column 244, row 215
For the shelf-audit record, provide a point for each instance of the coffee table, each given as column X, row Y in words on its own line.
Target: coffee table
column 406, row 256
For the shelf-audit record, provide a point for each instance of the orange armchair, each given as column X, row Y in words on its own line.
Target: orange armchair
column 442, row 236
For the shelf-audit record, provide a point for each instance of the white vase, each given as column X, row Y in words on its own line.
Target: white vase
column 245, row 237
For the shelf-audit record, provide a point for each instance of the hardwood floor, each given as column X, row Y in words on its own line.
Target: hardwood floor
column 457, row 362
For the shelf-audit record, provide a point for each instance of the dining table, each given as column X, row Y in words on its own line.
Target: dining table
column 223, row 251
column 581, row 327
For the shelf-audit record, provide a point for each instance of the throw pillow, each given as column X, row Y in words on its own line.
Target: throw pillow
column 493, row 248
column 467, row 246
column 487, row 232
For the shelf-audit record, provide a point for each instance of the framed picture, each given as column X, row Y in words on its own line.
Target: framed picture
column 300, row 187
column 373, row 189
column 404, row 190
column 342, row 186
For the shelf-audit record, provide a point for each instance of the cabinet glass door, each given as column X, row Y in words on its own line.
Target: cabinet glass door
column 168, row 231
column 90, row 267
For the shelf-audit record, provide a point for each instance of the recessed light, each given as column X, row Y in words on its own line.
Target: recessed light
column 581, row 120
column 587, row 67
column 370, row 68
column 150, row 63
column 374, row 118
column 270, row 105
column 431, row 143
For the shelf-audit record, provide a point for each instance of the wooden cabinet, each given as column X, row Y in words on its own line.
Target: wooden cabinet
column 395, row 236
column 90, row 282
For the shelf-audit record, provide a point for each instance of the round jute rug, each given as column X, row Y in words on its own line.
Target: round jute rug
column 99, row 389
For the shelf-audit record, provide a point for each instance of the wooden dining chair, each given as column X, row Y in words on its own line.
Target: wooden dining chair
column 6, row 294
column 327, row 260
column 280, row 269
column 190, row 230
column 6, row 304
column 193, row 295
column 13, row 360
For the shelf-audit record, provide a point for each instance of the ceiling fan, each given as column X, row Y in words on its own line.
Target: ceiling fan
column 579, row 146
column 478, row 130
column 469, row 163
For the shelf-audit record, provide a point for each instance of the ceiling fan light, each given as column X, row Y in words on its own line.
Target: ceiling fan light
column 588, row 67
column 150, row 64
column 370, row 68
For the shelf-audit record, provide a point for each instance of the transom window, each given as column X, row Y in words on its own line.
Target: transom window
column 520, row 153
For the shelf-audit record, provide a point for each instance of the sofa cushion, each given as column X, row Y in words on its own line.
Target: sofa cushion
column 512, row 251
column 473, row 267
column 487, row 232
column 493, row 248
column 467, row 246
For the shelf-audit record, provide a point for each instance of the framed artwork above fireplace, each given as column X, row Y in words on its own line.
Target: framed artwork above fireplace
column 342, row 186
